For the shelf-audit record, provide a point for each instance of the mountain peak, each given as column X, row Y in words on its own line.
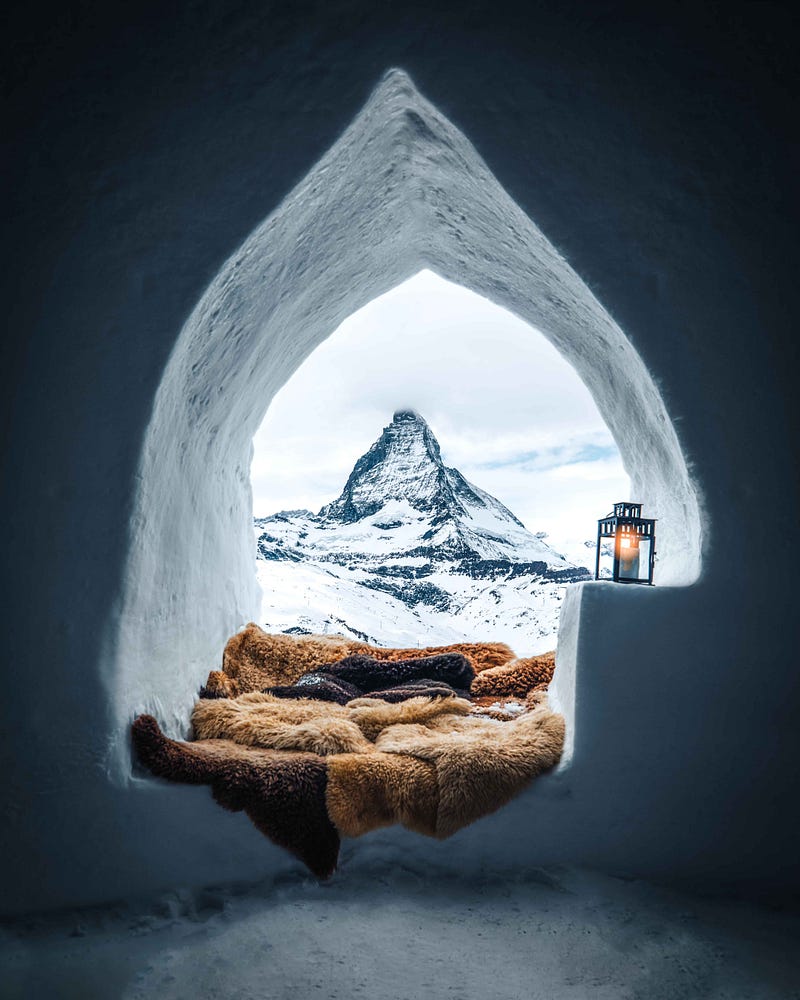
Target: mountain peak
column 405, row 466
column 407, row 416
column 405, row 463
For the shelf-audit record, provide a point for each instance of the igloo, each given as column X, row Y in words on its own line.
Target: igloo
column 147, row 556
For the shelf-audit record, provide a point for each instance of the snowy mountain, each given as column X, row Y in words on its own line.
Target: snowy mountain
column 411, row 553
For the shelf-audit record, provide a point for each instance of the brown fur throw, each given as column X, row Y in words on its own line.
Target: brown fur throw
column 427, row 763
column 516, row 678
column 353, row 737
column 254, row 659
column 368, row 791
column 263, row 720
column 282, row 793
column 372, row 715
column 481, row 764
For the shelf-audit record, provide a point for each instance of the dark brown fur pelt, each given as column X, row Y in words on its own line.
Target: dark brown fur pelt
column 371, row 674
column 516, row 678
column 284, row 794
column 318, row 686
column 424, row 686
column 322, row 687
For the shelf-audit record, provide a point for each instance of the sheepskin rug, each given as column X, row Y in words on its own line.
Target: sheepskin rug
column 262, row 720
column 516, row 677
column 254, row 659
column 318, row 737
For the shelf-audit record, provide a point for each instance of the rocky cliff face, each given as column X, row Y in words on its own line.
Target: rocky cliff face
column 411, row 552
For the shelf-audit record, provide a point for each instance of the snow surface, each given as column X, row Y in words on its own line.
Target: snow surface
column 314, row 598
column 406, row 932
column 411, row 553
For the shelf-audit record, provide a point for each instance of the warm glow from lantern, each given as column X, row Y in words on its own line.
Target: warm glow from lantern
column 634, row 543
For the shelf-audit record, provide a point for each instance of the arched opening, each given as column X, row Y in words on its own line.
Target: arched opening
column 402, row 190
column 432, row 473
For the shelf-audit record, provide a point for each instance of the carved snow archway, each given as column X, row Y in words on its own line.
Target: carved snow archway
column 402, row 190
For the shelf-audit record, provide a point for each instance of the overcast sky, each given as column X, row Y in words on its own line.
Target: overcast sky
column 509, row 412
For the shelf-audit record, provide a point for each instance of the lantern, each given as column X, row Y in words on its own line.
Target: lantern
column 634, row 543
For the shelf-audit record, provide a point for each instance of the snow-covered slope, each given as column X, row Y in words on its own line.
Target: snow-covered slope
column 411, row 553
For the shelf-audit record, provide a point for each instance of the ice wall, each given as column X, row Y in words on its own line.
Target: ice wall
column 402, row 189
column 138, row 178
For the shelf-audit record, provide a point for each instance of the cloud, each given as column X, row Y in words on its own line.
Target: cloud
column 508, row 410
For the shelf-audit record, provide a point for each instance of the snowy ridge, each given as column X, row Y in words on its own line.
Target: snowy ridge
column 411, row 553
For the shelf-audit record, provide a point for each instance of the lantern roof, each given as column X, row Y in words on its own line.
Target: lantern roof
column 625, row 508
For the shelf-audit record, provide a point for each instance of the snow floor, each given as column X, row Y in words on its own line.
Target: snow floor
column 395, row 932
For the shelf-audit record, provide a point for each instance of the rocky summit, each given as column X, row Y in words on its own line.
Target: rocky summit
column 411, row 552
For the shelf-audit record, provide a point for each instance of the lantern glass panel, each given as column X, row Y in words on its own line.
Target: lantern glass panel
column 606, row 558
column 634, row 558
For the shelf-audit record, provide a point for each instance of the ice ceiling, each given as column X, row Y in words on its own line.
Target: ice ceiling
column 402, row 190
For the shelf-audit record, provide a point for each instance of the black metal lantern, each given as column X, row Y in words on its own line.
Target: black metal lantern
column 634, row 543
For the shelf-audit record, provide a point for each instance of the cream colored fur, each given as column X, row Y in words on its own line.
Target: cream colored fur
column 262, row 720
column 321, row 727
column 372, row 716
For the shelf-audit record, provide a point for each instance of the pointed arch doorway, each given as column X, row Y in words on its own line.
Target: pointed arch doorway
column 402, row 190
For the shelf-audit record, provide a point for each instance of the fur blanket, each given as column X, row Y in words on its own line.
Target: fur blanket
column 371, row 674
column 262, row 720
column 517, row 677
column 481, row 764
column 319, row 737
column 308, row 771
column 254, row 659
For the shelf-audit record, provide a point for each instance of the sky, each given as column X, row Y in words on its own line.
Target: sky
column 508, row 411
